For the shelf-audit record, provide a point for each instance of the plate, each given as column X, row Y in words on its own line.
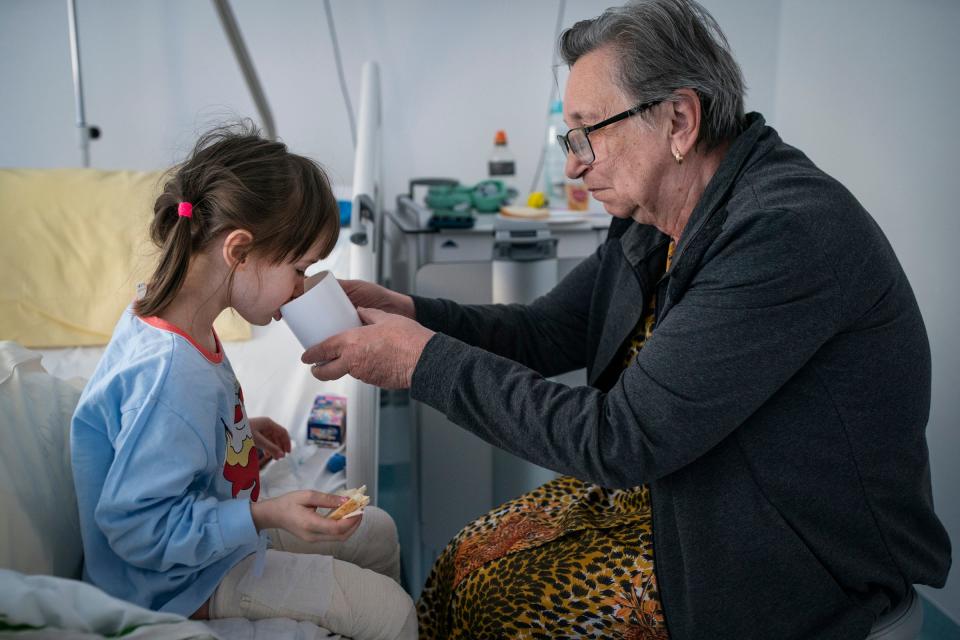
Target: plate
column 557, row 217
column 568, row 217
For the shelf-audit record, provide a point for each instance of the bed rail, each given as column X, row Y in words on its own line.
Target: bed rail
column 366, row 234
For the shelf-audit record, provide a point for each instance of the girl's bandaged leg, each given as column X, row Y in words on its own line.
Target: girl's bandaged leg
column 368, row 605
column 374, row 545
column 336, row 595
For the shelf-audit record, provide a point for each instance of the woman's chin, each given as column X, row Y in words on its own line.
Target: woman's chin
column 617, row 211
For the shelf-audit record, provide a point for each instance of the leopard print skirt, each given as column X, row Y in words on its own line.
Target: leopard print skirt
column 567, row 560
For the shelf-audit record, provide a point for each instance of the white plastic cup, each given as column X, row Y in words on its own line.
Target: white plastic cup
column 322, row 311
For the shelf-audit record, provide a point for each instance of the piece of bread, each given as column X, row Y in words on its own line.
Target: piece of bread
column 527, row 213
column 358, row 500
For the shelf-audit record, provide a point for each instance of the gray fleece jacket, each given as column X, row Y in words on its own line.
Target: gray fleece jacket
column 777, row 413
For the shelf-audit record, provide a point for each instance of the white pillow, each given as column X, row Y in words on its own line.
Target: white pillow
column 39, row 529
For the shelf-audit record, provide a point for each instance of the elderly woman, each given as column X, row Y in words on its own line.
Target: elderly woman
column 749, row 457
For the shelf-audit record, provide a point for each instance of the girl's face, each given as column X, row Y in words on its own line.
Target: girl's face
column 260, row 287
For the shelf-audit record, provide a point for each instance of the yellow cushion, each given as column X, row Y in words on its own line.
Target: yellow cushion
column 73, row 247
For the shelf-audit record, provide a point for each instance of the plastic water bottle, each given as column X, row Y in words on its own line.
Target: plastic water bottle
column 554, row 161
column 501, row 165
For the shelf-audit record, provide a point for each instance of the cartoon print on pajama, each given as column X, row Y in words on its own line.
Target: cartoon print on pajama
column 242, row 465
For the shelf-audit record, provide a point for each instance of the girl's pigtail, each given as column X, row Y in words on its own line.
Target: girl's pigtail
column 171, row 229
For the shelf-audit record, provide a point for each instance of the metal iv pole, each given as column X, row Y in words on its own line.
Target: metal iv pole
column 87, row 132
column 232, row 31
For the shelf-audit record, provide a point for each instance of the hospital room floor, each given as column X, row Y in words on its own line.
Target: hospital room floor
column 936, row 625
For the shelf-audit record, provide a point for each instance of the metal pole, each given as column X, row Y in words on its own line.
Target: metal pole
column 232, row 30
column 78, row 83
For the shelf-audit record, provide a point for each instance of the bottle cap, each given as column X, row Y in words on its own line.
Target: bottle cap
column 500, row 138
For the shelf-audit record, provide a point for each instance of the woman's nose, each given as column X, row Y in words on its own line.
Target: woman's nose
column 574, row 168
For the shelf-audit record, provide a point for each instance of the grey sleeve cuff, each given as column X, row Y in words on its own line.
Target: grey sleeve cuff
column 430, row 312
column 436, row 372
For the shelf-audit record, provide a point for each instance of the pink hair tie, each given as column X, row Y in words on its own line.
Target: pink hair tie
column 185, row 210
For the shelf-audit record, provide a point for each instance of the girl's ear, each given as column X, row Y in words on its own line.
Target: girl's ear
column 236, row 248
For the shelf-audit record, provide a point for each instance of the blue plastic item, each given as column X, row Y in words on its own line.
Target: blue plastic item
column 337, row 462
column 554, row 160
column 345, row 207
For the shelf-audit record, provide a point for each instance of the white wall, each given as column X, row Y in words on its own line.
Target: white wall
column 867, row 88
column 158, row 71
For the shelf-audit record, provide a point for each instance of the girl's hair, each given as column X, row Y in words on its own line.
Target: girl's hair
column 236, row 179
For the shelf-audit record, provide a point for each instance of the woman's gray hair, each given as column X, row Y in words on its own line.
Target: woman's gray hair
column 662, row 46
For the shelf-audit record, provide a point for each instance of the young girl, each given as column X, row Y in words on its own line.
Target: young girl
column 164, row 456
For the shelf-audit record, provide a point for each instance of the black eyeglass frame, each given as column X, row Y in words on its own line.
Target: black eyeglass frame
column 564, row 138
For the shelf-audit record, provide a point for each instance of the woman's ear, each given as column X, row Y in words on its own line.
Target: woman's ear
column 684, row 125
column 236, row 248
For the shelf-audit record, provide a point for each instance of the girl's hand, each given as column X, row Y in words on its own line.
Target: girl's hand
column 373, row 296
column 296, row 512
column 270, row 436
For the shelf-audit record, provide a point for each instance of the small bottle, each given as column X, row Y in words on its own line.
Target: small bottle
column 501, row 165
column 554, row 161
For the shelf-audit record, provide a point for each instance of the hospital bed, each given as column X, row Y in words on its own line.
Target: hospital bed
column 276, row 383
column 71, row 257
column 40, row 547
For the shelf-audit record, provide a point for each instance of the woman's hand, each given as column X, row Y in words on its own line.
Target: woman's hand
column 384, row 352
column 296, row 512
column 270, row 437
column 373, row 296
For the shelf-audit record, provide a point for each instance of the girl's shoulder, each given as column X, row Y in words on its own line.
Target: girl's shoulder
column 142, row 363
column 136, row 347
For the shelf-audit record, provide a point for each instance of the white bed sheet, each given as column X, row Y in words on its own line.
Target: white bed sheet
column 269, row 629
column 63, row 609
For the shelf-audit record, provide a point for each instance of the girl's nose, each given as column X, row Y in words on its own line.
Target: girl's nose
column 298, row 288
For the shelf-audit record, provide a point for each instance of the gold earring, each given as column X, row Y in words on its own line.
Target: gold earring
column 677, row 156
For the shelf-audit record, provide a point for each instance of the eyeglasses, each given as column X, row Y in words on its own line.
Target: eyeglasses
column 578, row 140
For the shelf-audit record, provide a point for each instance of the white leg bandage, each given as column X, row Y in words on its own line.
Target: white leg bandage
column 339, row 596
column 365, row 604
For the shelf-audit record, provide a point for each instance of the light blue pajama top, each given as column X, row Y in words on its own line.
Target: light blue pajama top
column 164, row 467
